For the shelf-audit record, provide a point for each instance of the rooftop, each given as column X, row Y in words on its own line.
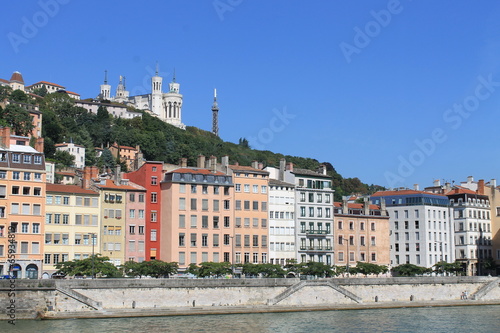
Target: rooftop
column 69, row 189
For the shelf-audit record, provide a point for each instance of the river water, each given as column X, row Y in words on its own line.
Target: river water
column 440, row 319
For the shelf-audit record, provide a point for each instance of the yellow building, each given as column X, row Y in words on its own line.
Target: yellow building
column 71, row 222
column 113, row 219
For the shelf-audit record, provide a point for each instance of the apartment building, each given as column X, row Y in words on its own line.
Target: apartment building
column 361, row 233
column 251, row 187
column 72, row 229
column 421, row 226
column 314, row 214
column 197, row 219
column 22, row 207
column 149, row 176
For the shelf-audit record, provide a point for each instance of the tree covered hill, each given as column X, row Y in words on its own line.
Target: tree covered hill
column 159, row 141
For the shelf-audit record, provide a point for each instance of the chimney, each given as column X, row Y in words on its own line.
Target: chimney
column 383, row 210
column 281, row 174
column 480, row 186
column 493, row 183
column 345, row 209
column 322, row 169
column 447, row 187
column 89, row 173
column 415, row 187
column 5, row 137
column 118, row 175
column 366, row 206
column 183, row 162
column 470, row 179
column 261, row 166
column 255, row 164
column 437, row 182
column 289, row 166
column 225, row 164
column 39, row 145
column 213, row 164
column 201, row 161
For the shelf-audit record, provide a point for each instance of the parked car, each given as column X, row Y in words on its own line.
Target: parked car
column 6, row 277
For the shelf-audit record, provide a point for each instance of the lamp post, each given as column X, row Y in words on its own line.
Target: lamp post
column 442, row 254
column 232, row 255
column 347, row 257
column 92, row 234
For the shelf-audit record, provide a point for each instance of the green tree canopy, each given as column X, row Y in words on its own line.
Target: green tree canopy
column 102, row 267
column 410, row 270
column 17, row 118
column 159, row 268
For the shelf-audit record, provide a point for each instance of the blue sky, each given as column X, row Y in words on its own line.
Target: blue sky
column 370, row 86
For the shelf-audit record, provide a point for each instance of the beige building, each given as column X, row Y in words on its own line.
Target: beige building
column 197, row 221
column 71, row 225
column 251, row 185
column 361, row 233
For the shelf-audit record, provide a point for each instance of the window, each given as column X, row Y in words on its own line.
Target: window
column 141, row 197
column 193, row 204
column 182, row 221
column 193, row 239
column 247, row 188
column 373, row 226
column 246, row 204
column 65, row 219
column 263, row 189
column 16, row 175
column 154, row 197
column 193, row 188
column 132, row 213
column 154, row 180
column 38, row 159
column 141, row 231
column 227, row 205
column 255, row 205
column 182, row 203
column 131, row 197
column 26, row 190
column 153, row 235
column 16, row 158
column 204, row 221
column 193, row 221
column 27, row 175
column 182, row 239
column 153, row 216
column 131, row 229
column 237, row 187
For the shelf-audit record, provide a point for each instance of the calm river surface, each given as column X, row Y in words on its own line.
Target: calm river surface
column 447, row 319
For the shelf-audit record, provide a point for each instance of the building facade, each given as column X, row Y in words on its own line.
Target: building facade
column 421, row 227
column 361, row 234
column 71, row 225
column 78, row 151
column 197, row 221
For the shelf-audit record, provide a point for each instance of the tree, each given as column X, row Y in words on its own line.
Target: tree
column 318, row 269
column 107, row 159
column 17, row 118
column 159, row 268
column 366, row 268
column 132, row 268
column 211, row 269
column 410, row 270
column 42, row 91
column 20, row 96
column 5, row 92
column 101, row 267
column 63, row 158
column 442, row 267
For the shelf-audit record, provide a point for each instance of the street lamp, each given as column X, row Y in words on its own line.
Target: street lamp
column 92, row 234
column 347, row 257
column 442, row 254
column 232, row 255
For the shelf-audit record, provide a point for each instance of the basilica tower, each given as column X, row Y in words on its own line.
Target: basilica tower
column 156, row 94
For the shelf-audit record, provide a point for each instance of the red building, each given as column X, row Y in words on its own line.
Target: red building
column 149, row 176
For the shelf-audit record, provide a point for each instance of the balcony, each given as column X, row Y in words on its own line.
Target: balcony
column 316, row 248
column 316, row 232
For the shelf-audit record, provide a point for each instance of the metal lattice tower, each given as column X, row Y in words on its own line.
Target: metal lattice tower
column 215, row 115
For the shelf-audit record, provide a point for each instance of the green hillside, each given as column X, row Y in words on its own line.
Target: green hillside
column 159, row 141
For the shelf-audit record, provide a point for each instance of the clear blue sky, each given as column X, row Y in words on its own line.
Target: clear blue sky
column 358, row 100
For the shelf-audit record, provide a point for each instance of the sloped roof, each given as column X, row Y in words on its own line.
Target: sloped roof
column 197, row 171
column 69, row 189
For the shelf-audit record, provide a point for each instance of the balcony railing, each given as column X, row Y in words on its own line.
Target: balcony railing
column 316, row 232
column 316, row 248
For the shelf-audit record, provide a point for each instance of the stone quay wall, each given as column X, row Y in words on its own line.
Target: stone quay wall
column 62, row 298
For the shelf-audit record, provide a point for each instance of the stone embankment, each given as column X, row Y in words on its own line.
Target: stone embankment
column 57, row 299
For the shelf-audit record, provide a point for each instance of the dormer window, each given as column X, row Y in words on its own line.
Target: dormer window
column 27, row 159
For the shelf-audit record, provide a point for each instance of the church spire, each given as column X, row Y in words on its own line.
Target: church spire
column 156, row 68
column 106, row 77
column 215, row 115
column 173, row 78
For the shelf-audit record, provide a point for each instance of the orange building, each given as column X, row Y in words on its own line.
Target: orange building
column 197, row 219
column 22, row 209
column 361, row 233
column 250, row 212
column 130, row 155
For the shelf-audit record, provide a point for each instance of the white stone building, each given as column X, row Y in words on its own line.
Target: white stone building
column 421, row 227
column 76, row 150
column 165, row 105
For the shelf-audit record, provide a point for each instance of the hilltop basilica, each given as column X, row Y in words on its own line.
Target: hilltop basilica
column 166, row 106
